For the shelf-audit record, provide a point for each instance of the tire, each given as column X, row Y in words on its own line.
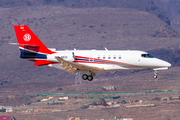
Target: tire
column 84, row 77
column 90, row 78
column 155, row 76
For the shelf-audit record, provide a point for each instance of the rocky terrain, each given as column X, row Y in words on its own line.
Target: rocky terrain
column 57, row 28
column 95, row 24
column 173, row 11
column 95, row 27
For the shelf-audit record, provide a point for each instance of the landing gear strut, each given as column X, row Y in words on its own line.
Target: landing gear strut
column 155, row 74
column 87, row 77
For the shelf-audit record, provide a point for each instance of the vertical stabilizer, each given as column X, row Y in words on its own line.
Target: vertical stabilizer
column 27, row 40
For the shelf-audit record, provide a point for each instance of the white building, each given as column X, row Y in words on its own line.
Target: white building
column 8, row 108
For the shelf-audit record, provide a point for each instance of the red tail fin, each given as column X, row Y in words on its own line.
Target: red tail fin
column 28, row 40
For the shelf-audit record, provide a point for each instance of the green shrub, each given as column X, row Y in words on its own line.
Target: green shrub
column 123, row 102
column 59, row 88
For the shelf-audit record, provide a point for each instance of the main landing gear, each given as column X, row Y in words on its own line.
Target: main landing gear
column 87, row 77
column 155, row 74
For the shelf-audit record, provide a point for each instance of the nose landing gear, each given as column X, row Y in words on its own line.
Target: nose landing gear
column 155, row 74
column 155, row 77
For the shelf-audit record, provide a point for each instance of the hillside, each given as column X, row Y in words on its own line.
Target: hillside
column 93, row 24
column 173, row 10
column 81, row 28
column 69, row 28
column 144, row 5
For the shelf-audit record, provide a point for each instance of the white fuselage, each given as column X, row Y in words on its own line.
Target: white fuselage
column 86, row 61
column 110, row 60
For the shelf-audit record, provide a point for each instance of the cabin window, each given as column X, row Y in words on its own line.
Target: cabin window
column 114, row 57
column 104, row 57
column 98, row 57
column 119, row 56
column 109, row 57
column 146, row 56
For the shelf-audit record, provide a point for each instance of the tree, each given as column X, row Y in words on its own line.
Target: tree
column 59, row 88
column 84, row 107
column 117, row 102
column 170, row 98
column 14, row 118
column 2, row 110
column 93, row 103
column 102, row 101
column 123, row 102
column 103, row 89
column 156, row 98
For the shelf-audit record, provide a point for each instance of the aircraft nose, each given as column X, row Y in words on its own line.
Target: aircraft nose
column 166, row 64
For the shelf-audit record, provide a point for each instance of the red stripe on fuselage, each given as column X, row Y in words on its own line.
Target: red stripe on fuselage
column 111, row 62
column 91, row 62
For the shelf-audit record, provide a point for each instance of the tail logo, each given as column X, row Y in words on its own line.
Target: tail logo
column 27, row 37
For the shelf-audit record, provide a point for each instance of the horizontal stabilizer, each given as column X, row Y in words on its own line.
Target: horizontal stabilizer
column 24, row 44
column 43, row 62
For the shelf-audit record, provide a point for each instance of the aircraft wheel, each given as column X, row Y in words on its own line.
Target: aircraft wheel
column 90, row 78
column 155, row 76
column 85, row 77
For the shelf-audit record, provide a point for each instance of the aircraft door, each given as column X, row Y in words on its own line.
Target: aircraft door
column 139, row 58
column 91, row 58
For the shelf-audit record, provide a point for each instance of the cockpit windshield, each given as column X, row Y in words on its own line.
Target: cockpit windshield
column 147, row 56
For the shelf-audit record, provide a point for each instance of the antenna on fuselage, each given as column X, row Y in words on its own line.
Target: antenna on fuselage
column 105, row 48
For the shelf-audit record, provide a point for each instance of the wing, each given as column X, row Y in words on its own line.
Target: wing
column 72, row 67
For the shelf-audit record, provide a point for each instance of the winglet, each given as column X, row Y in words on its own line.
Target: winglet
column 23, row 44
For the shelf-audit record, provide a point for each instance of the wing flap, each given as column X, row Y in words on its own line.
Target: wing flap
column 80, row 67
column 71, row 70
column 63, row 65
column 68, row 68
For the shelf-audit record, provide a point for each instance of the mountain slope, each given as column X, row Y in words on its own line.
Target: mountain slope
column 173, row 9
column 144, row 5
column 69, row 28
